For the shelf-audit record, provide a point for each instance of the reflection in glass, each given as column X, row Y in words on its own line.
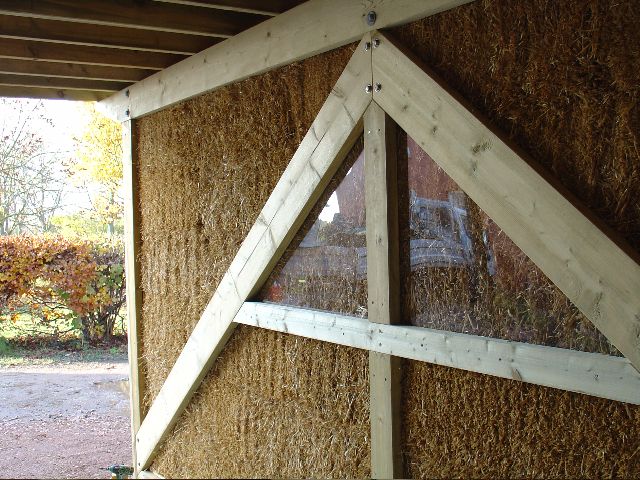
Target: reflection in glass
column 463, row 274
column 328, row 268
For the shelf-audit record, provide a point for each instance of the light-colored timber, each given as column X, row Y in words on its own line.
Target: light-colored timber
column 132, row 267
column 588, row 373
column 383, row 281
column 313, row 27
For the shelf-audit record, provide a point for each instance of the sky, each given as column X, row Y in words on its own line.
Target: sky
column 67, row 120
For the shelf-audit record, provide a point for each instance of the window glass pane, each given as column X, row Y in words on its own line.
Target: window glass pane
column 326, row 265
column 463, row 274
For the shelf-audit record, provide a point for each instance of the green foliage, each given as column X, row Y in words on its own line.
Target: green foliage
column 61, row 285
column 81, row 225
column 97, row 166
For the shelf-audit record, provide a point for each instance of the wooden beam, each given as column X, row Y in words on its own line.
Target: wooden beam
column 598, row 276
column 133, row 242
column 269, row 8
column 55, row 52
column 148, row 474
column 331, row 136
column 383, row 280
column 139, row 15
column 25, row 28
column 308, row 29
column 588, row 373
column 51, row 93
column 60, row 83
column 72, row 70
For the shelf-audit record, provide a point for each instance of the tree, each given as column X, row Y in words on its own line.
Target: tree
column 97, row 167
column 30, row 190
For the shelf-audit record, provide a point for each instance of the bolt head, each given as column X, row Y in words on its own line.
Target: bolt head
column 367, row 46
column 371, row 18
column 378, row 87
column 376, row 42
column 368, row 88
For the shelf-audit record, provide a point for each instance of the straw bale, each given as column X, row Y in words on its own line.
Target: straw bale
column 463, row 424
column 206, row 168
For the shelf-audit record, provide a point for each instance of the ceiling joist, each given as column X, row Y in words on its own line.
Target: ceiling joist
column 159, row 16
column 72, row 70
column 53, row 52
column 60, row 83
column 51, row 93
column 26, row 28
column 260, row 7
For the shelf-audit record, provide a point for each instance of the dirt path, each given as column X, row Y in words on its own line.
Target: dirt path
column 63, row 420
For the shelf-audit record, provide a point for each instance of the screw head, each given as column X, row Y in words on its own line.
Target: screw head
column 376, row 42
column 127, row 93
column 368, row 88
column 367, row 46
column 378, row 87
column 371, row 18
column 127, row 113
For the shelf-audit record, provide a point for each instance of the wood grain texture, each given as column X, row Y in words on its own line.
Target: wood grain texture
column 383, row 280
column 132, row 269
column 589, row 373
column 313, row 27
column 596, row 274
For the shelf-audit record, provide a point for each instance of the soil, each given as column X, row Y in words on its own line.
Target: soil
column 67, row 419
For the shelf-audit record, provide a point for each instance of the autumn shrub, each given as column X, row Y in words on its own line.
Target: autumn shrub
column 53, row 279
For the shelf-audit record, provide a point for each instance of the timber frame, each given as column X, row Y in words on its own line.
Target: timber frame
column 381, row 86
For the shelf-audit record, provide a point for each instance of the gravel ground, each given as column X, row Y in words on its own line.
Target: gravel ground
column 65, row 420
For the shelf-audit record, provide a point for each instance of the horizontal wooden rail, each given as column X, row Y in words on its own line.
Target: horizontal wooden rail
column 589, row 373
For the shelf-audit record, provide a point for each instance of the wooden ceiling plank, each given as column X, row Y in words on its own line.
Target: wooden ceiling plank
column 72, row 70
column 163, row 17
column 60, row 83
column 51, row 93
column 100, row 35
column 53, row 52
column 260, row 7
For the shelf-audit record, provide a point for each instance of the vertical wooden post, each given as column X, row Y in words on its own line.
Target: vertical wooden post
column 383, row 288
column 132, row 267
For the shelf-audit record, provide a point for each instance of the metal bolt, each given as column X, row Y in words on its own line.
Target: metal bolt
column 127, row 93
column 376, row 42
column 368, row 88
column 378, row 87
column 367, row 46
column 127, row 113
column 371, row 18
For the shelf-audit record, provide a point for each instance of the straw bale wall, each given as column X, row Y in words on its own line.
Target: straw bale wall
column 561, row 79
